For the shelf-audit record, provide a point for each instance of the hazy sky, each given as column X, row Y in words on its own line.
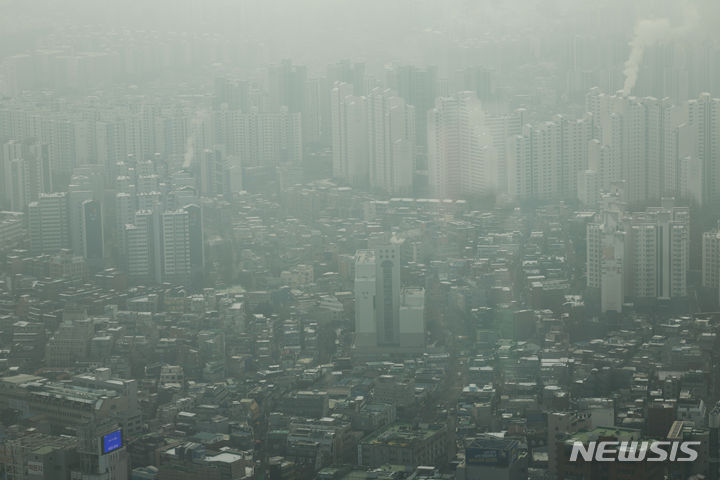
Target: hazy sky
column 322, row 30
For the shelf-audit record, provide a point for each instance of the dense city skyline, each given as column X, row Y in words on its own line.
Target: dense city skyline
column 333, row 240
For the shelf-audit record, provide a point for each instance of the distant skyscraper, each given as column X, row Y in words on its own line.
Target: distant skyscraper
column 151, row 233
column 76, row 197
column 137, row 261
column 213, row 178
column 377, row 296
column 534, row 162
column 286, row 86
column 92, row 233
column 412, row 318
column 645, row 252
column 547, row 159
column 606, row 260
column 260, row 138
column 365, row 291
column 349, row 135
column 196, row 239
column 639, row 141
column 461, row 157
column 391, row 136
column 418, row 86
column 704, row 117
column 352, row 74
column 176, row 247
column 711, row 260
column 24, row 173
column 49, row 223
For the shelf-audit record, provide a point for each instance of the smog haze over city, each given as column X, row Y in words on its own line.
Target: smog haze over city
column 354, row 240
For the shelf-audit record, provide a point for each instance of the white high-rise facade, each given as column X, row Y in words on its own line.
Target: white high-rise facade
column 646, row 253
column 378, row 298
column 606, row 260
column 391, row 137
column 350, row 143
column 704, row 118
column 462, row 159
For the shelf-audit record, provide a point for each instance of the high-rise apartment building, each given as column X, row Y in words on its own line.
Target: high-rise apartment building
column 259, row 138
column 704, row 118
column 49, row 223
column 461, row 157
column 176, row 265
column 391, row 137
column 349, row 135
column 419, row 87
column 642, row 256
column 92, row 233
column 24, row 173
column 711, row 260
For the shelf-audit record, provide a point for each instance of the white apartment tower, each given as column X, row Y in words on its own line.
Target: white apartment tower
column 704, row 117
column 462, row 159
column 643, row 256
column 391, row 137
column 350, row 143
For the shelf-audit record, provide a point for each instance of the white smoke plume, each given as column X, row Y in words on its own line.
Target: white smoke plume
column 647, row 34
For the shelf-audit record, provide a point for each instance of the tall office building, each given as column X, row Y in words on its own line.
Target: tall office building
column 461, row 157
column 176, row 265
column 378, row 299
column 391, row 137
column 49, row 223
